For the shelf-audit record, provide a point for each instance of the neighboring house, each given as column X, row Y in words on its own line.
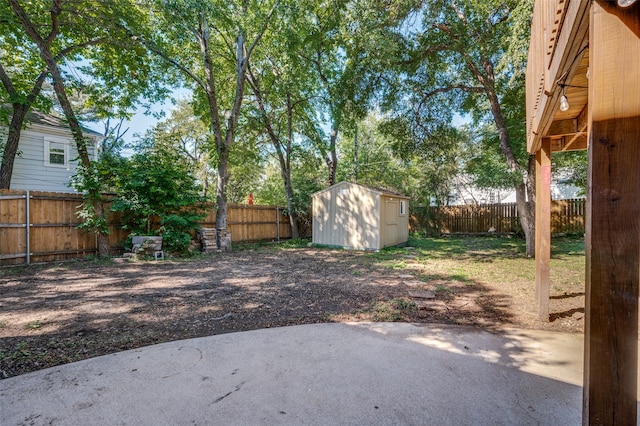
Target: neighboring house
column 560, row 190
column 359, row 217
column 47, row 154
column 464, row 192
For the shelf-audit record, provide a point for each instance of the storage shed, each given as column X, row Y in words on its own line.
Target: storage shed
column 359, row 217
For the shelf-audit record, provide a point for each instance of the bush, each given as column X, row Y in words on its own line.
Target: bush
column 159, row 185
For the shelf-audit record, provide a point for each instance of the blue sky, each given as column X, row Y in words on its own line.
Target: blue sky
column 141, row 122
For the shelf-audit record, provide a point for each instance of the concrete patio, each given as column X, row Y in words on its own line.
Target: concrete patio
column 322, row 374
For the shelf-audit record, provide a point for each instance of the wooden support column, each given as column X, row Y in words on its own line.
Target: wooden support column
column 543, row 227
column 613, row 217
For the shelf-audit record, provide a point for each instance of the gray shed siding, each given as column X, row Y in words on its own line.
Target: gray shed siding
column 353, row 216
column 30, row 170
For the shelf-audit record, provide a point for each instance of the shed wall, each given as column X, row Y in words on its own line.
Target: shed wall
column 394, row 223
column 347, row 216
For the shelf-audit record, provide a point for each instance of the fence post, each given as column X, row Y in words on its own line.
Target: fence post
column 27, row 227
column 278, row 222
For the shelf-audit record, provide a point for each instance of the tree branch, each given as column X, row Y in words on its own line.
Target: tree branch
column 265, row 25
column 446, row 89
column 6, row 82
column 56, row 10
column 147, row 44
column 28, row 26
column 73, row 47
column 425, row 54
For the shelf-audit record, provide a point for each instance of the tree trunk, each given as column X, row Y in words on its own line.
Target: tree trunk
column 18, row 116
column 526, row 217
column 524, row 207
column 293, row 219
column 529, row 224
column 93, row 195
column 104, row 246
column 332, row 158
column 221, row 197
column 11, row 146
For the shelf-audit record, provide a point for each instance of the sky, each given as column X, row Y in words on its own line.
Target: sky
column 141, row 122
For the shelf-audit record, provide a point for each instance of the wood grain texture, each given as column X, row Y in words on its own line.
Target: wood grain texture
column 543, row 228
column 613, row 220
column 612, row 279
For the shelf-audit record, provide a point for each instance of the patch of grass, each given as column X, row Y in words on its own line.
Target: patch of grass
column 294, row 243
column 357, row 273
column 470, row 246
column 245, row 246
column 20, row 352
column 35, row 325
column 381, row 255
column 569, row 245
column 99, row 260
column 443, row 289
column 392, row 310
column 399, row 264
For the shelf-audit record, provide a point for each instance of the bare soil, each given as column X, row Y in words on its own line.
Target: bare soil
column 58, row 313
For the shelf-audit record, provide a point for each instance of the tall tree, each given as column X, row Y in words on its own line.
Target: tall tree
column 44, row 42
column 184, row 135
column 23, row 74
column 62, row 31
column 469, row 57
column 348, row 43
column 284, row 89
column 211, row 44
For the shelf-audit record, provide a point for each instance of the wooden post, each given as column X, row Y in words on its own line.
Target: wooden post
column 613, row 221
column 543, row 227
column 27, row 227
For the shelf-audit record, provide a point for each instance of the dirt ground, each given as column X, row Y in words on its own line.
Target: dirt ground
column 64, row 312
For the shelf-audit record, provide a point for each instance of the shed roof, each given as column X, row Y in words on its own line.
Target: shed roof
column 379, row 191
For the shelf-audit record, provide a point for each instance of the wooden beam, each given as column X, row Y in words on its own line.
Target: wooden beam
column 577, row 142
column 562, row 127
column 582, row 121
column 613, row 224
column 543, row 227
column 571, row 142
column 544, row 70
column 573, row 127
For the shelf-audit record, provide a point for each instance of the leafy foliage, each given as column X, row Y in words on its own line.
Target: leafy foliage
column 159, row 184
column 305, row 181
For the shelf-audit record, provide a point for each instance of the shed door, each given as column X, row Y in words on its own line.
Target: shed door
column 390, row 223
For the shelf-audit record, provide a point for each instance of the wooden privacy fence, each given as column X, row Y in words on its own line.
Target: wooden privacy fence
column 566, row 216
column 252, row 223
column 43, row 226
column 40, row 226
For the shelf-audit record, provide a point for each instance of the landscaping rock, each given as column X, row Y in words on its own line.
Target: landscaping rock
column 466, row 303
column 422, row 294
column 431, row 305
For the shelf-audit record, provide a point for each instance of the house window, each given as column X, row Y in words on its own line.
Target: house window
column 56, row 153
column 403, row 208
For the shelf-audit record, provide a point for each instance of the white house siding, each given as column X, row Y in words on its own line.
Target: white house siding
column 29, row 169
